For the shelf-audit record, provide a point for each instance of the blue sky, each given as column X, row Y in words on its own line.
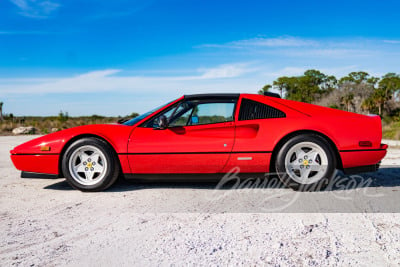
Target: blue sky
column 116, row 57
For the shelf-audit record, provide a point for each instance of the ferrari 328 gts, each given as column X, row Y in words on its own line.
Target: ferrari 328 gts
column 303, row 144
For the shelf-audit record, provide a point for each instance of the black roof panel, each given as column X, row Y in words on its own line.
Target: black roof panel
column 212, row 96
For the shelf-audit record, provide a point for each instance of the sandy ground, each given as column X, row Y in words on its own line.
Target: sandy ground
column 45, row 222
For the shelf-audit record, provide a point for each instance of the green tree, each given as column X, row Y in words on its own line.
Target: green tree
column 357, row 91
column 133, row 115
column 379, row 97
column 281, row 84
column 322, row 84
column 388, row 86
column 390, row 83
column 306, row 88
column 266, row 88
column 347, row 101
column 62, row 117
column 355, row 88
column 1, row 111
column 368, row 105
column 356, row 77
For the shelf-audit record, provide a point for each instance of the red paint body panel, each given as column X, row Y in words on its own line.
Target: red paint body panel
column 259, row 162
column 201, row 138
column 166, row 145
column 36, row 163
column 115, row 134
column 123, row 159
column 361, row 158
column 217, row 147
column 28, row 156
column 345, row 129
column 178, row 163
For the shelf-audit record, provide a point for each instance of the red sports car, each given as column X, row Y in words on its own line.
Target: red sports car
column 212, row 133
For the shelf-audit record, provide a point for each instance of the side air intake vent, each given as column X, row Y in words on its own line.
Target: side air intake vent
column 253, row 110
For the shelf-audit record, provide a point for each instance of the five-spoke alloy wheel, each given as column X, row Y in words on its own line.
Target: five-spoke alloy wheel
column 306, row 162
column 90, row 164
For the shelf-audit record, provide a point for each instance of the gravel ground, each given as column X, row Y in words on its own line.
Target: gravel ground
column 45, row 222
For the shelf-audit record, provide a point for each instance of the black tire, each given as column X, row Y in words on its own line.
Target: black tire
column 108, row 161
column 290, row 178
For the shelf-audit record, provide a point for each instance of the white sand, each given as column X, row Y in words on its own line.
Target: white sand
column 45, row 222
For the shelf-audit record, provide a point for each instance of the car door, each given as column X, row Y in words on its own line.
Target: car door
column 257, row 125
column 198, row 139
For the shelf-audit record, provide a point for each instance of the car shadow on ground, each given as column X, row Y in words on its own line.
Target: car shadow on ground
column 385, row 177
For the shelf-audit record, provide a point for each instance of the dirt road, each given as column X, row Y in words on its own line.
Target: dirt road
column 45, row 222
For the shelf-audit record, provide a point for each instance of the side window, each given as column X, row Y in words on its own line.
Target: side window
column 190, row 113
column 253, row 110
column 207, row 113
column 153, row 123
column 181, row 119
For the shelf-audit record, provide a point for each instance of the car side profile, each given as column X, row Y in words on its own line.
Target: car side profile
column 303, row 144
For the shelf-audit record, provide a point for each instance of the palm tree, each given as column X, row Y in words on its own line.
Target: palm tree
column 265, row 89
column 368, row 104
column 347, row 100
column 1, row 111
column 380, row 97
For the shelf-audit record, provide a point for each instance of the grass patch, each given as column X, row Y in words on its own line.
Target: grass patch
column 45, row 125
column 391, row 130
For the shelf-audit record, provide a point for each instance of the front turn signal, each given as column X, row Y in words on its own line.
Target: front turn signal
column 45, row 148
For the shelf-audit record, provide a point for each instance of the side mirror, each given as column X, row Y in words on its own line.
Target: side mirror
column 162, row 122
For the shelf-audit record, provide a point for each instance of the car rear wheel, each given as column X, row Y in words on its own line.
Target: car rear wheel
column 306, row 163
column 90, row 164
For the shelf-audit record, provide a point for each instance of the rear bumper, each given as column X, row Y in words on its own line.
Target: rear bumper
column 363, row 160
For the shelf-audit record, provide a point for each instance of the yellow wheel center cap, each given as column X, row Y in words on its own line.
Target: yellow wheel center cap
column 305, row 162
column 89, row 165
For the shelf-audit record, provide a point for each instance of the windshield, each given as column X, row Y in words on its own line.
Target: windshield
column 135, row 120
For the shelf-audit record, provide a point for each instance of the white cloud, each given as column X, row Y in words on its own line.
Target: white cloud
column 36, row 8
column 224, row 78
column 267, row 42
column 392, row 41
column 297, row 71
column 275, row 42
column 224, row 71
column 107, row 81
column 292, row 47
column 97, row 74
column 288, row 71
column 328, row 52
column 90, row 92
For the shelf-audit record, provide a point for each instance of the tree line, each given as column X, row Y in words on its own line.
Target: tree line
column 357, row 92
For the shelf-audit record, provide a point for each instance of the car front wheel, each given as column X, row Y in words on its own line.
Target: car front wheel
column 306, row 163
column 89, row 164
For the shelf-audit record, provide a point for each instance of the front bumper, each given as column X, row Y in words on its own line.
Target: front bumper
column 36, row 163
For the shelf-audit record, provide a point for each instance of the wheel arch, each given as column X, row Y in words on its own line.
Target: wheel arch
column 288, row 136
column 81, row 136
